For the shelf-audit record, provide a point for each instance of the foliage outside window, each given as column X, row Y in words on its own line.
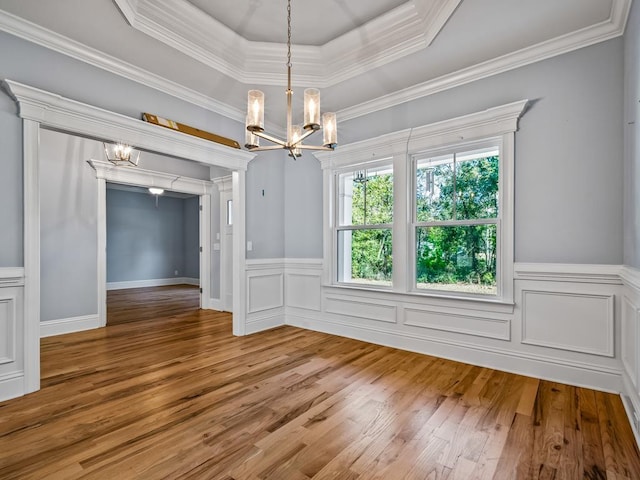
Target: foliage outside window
column 456, row 221
column 365, row 218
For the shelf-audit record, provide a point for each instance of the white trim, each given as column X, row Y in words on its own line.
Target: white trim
column 547, row 367
column 105, row 171
column 409, row 28
column 12, row 385
column 498, row 124
column 50, row 328
column 630, row 276
column 608, row 351
column 59, row 43
column 79, row 118
column 204, row 260
column 238, row 180
column 31, row 179
column 149, row 178
column 610, row 28
column 215, row 304
column 492, row 122
column 153, row 282
column 563, row 272
column 11, row 276
column 265, row 322
column 225, row 189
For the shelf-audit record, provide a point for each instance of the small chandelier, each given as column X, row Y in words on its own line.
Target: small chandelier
column 295, row 134
column 120, row 154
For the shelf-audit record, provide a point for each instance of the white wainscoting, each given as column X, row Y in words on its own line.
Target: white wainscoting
column 50, row 328
column 561, row 327
column 265, row 294
column 11, row 333
column 630, row 354
column 154, row 282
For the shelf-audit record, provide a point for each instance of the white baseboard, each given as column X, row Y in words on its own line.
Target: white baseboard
column 215, row 304
column 154, row 282
column 49, row 328
column 12, row 386
column 631, row 402
column 521, row 363
column 266, row 322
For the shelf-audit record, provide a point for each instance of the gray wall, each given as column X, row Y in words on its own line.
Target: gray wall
column 11, row 239
column 569, row 166
column 68, row 229
column 215, row 232
column 147, row 242
column 631, row 139
column 303, row 207
column 265, row 204
column 191, row 229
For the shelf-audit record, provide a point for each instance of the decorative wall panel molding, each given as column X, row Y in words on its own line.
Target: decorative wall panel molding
column 265, row 291
column 303, row 290
column 630, row 339
column 8, row 327
column 578, row 322
column 459, row 323
column 359, row 308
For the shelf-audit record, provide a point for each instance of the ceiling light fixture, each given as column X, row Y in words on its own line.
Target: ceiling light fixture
column 156, row 191
column 120, row 154
column 295, row 135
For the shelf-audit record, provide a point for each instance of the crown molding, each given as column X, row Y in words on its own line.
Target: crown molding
column 612, row 27
column 406, row 29
column 46, row 38
column 149, row 178
column 491, row 122
column 58, row 112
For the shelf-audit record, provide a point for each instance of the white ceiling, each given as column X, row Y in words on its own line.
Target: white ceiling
column 365, row 55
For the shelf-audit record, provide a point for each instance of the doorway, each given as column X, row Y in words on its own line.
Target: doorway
column 152, row 250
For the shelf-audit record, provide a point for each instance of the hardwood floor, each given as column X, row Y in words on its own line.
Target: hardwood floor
column 176, row 396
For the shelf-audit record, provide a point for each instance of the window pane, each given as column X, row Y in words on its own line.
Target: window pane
column 434, row 189
column 457, row 258
column 364, row 256
column 476, row 185
column 366, row 197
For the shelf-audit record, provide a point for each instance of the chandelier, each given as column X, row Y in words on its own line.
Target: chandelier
column 120, row 154
column 295, row 133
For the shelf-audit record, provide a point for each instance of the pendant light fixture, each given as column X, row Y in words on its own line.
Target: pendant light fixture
column 295, row 133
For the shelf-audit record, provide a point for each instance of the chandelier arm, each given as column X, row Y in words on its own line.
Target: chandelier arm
column 314, row 147
column 305, row 135
column 266, row 136
column 265, row 148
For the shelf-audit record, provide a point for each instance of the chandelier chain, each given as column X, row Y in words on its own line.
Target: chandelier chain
column 289, row 33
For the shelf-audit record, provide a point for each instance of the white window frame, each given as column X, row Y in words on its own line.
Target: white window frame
column 495, row 123
column 338, row 227
column 497, row 221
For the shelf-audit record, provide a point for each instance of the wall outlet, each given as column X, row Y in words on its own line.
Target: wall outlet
column 175, row 272
column 249, row 245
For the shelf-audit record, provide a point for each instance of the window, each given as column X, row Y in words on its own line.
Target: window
column 426, row 211
column 456, row 220
column 365, row 217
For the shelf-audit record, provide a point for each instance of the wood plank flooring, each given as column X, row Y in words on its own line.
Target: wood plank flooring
column 176, row 396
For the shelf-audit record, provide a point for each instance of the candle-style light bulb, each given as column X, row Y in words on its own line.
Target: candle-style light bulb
column 329, row 130
column 311, row 109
